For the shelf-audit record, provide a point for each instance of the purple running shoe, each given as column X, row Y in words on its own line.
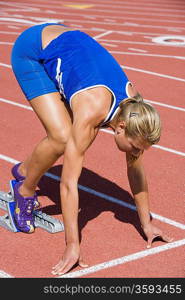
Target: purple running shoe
column 19, row 177
column 23, row 213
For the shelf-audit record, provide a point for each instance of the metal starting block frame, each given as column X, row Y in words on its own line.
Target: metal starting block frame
column 42, row 220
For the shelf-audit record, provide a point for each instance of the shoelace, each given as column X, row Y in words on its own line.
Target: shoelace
column 29, row 206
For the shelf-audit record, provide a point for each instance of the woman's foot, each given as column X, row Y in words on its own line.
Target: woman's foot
column 23, row 214
column 16, row 174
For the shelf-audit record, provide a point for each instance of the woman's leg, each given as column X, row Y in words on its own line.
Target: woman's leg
column 56, row 119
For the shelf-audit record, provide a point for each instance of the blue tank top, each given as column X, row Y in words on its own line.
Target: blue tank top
column 76, row 62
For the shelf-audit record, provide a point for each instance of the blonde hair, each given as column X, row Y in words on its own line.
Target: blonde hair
column 142, row 119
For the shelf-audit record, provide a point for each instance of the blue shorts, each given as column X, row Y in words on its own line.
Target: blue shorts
column 71, row 63
column 27, row 66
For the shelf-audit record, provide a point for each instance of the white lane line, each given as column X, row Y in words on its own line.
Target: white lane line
column 165, row 105
column 124, row 259
column 109, row 45
column 169, row 150
column 9, row 159
column 17, row 20
column 105, row 196
column 5, row 275
column 105, row 130
column 13, row 27
column 5, row 65
column 16, row 104
column 139, row 50
column 102, row 34
column 9, row 32
column 6, row 43
column 146, row 54
column 110, row 20
column 82, row 15
column 153, row 73
column 75, row 25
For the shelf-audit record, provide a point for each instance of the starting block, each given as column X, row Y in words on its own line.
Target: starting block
column 42, row 220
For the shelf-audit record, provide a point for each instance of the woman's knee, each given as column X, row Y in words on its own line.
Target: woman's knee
column 55, row 118
column 58, row 139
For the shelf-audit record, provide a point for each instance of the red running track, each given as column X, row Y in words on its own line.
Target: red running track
column 110, row 231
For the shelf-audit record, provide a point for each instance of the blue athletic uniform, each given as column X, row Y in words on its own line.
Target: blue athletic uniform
column 71, row 63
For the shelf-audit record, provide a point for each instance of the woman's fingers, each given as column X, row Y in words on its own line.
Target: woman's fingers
column 59, row 267
column 64, row 266
column 82, row 263
column 164, row 237
column 167, row 238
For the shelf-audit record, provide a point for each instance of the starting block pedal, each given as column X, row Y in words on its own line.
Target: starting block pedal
column 42, row 220
column 47, row 223
column 7, row 203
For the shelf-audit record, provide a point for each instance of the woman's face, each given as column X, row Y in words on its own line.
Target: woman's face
column 135, row 146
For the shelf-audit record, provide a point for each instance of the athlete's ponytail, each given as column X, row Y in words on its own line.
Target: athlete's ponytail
column 142, row 119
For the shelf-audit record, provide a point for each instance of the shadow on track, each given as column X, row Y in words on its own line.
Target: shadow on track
column 90, row 205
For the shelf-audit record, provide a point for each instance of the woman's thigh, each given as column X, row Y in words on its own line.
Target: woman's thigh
column 54, row 114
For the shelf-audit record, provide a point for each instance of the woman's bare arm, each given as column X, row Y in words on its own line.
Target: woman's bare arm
column 139, row 188
column 87, row 116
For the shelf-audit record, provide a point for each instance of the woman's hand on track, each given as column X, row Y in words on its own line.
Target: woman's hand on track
column 70, row 257
column 152, row 232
